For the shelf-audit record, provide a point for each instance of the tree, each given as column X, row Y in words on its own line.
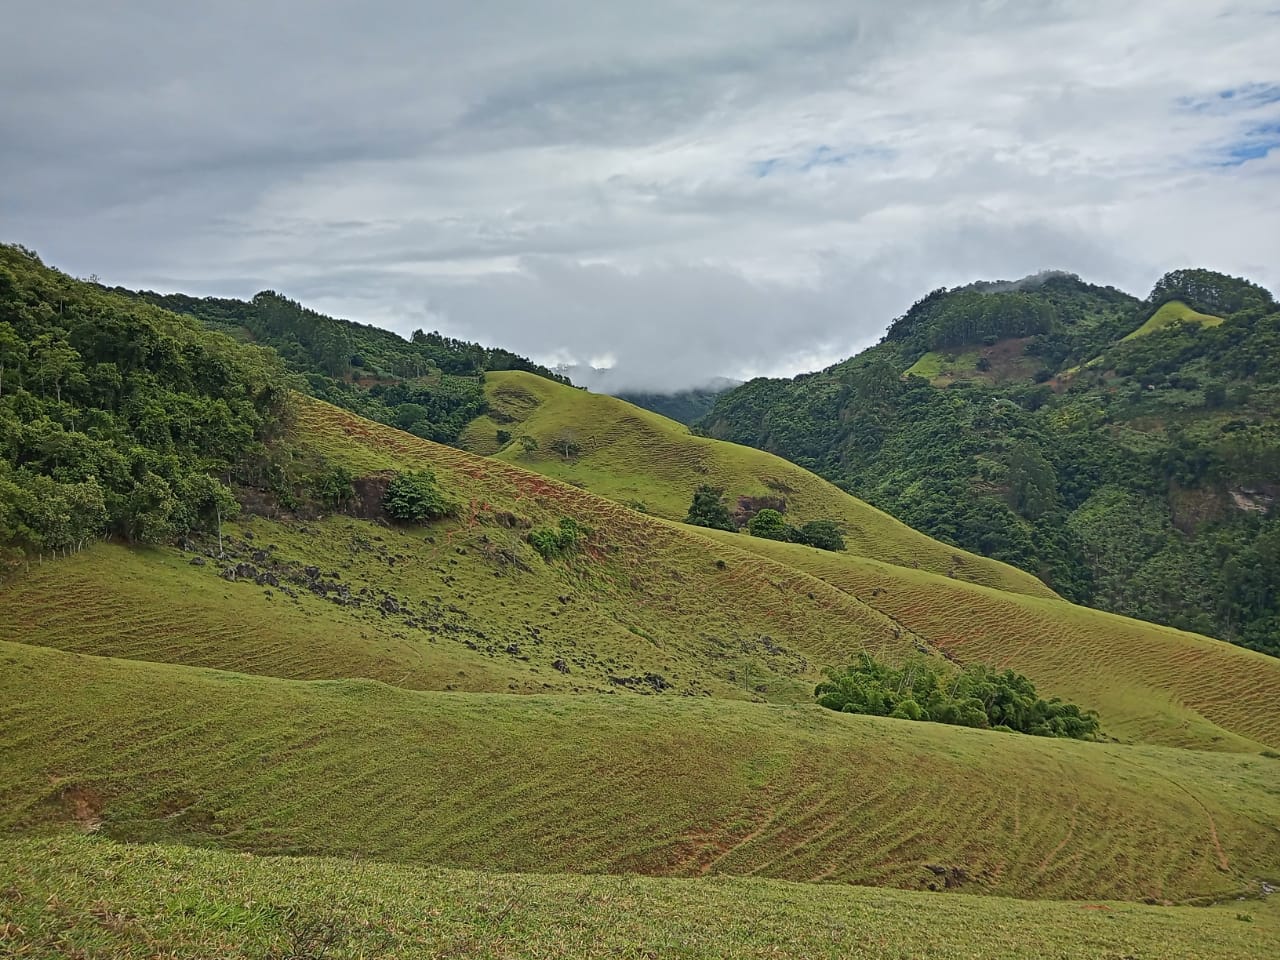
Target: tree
column 55, row 361
column 149, row 510
column 566, row 444
column 528, row 444
column 12, row 351
column 708, row 509
column 414, row 497
column 823, row 534
column 771, row 525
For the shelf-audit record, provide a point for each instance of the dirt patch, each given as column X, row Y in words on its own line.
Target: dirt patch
column 83, row 805
column 366, row 504
column 748, row 507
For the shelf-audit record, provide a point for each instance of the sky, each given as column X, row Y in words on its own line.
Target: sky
column 678, row 190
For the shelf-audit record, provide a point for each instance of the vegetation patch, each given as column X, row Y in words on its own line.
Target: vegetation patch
column 413, row 496
column 559, row 541
column 976, row 696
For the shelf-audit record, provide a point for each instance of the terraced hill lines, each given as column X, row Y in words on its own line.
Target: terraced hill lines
column 633, row 456
column 467, row 606
column 119, row 900
column 1151, row 684
column 589, row 784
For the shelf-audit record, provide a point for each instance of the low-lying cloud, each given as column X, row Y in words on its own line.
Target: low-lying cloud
column 686, row 190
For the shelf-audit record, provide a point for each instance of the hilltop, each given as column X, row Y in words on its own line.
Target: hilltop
column 1124, row 451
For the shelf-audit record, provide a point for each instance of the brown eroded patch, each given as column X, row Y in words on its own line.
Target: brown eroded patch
column 83, row 805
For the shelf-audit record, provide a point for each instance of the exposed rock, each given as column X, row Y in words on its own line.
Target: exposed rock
column 198, row 561
column 559, row 664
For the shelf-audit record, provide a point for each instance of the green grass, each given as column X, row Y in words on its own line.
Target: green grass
column 661, row 786
column 1151, row 684
column 91, row 898
column 1175, row 311
column 633, row 456
column 484, row 611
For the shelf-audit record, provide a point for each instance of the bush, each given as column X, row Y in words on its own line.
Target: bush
column 770, row 525
column 708, row 509
column 559, row 541
column 974, row 697
column 414, row 497
column 823, row 534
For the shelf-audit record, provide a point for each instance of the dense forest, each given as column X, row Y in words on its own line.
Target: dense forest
column 430, row 385
column 1125, row 451
column 119, row 417
column 142, row 416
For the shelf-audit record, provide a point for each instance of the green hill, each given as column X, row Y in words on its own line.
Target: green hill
column 644, row 460
column 672, row 786
column 1124, row 452
column 1175, row 311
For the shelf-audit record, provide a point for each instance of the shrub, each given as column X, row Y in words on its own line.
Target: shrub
column 974, row 697
column 770, row 525
column 414, row 497
column 823, row 534
column 503, row 437
column 559, row 541
column 708, row 509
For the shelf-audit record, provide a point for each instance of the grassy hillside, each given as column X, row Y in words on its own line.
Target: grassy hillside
column 636, row 457
column 108, row 899
column 1152, row 684
column 650, row 607
column 670, row 786
column 1175, row 311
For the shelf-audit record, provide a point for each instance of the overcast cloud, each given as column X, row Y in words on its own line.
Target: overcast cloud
column 681, row 189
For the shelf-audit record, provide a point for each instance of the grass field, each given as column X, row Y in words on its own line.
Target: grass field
column 477, row 610
column 1175, row 311
column 1151, row 684
column 76, row 896
column 633, row 456
column 660, row 786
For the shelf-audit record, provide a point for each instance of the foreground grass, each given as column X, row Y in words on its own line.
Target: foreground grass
column 597, row 784
column 86, row 897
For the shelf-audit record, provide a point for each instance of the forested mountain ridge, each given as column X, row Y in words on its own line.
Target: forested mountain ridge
column 428, row 385
column 1125, row 451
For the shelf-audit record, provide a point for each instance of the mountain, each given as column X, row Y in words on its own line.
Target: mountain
column 1123, row 451
column 282, row 680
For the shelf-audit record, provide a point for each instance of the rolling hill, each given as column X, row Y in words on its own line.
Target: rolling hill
column 248, row 707
column 644, row 460
column 674, row 786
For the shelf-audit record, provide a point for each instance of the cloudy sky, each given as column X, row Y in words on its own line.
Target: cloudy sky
column 681, row 189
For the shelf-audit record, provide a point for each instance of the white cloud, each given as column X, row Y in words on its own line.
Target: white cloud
column 695, row 189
